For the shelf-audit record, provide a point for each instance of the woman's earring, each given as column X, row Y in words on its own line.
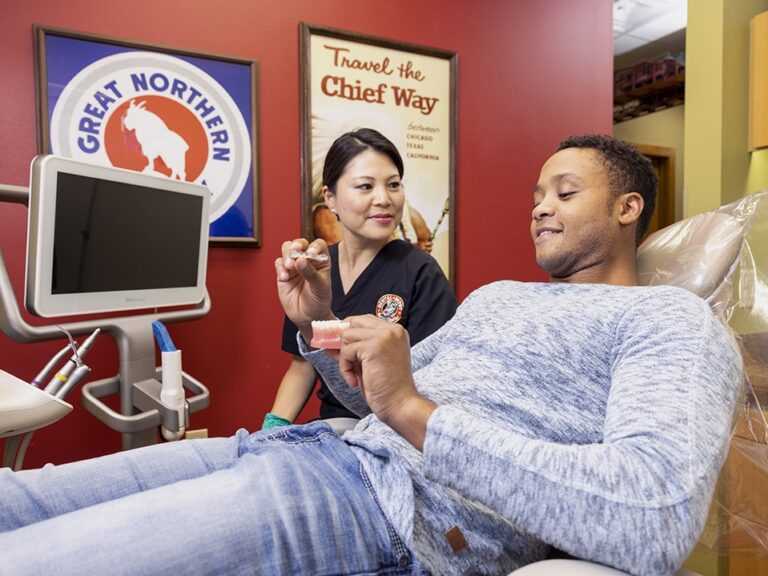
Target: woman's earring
column 337, row 215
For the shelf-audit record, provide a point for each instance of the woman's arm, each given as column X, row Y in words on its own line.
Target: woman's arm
column 295, row 389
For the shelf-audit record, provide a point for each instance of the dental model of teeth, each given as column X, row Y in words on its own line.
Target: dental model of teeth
column 327, row 333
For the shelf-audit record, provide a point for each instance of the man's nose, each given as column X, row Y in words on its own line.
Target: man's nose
column 543, row 209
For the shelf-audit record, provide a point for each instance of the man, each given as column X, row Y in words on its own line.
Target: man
column 569, row 413
column 585, row 413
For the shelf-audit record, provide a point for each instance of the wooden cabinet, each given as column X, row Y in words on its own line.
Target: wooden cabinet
column 758, row 82
column 745, row 495
column 744, row 481
column 735, row 539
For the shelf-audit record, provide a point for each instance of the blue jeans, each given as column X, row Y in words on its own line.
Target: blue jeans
column 291, row 500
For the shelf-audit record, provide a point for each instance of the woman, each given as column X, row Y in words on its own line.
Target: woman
column 371, row 271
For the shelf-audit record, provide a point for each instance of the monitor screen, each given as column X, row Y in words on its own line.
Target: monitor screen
column 104, row 239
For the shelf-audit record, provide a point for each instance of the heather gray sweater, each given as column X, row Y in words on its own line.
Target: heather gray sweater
column 591, row 418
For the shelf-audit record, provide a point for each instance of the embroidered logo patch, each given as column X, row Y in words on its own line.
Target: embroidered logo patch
column 390, row 307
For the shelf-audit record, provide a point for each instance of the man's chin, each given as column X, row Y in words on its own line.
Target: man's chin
column 554, row 267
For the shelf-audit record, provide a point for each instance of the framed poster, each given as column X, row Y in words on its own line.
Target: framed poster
column 406, row 92
column 186, row 115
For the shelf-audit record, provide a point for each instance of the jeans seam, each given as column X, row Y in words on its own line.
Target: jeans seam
column 283, row 438
column 316, row 437
column 400, row 548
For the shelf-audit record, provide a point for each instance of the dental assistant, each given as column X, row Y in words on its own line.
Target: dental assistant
column 371, row 272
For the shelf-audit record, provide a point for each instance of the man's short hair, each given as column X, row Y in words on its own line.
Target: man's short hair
column 628, row 171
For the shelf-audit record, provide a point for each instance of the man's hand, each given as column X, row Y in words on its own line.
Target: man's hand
column 376, row 356
column 304, row 285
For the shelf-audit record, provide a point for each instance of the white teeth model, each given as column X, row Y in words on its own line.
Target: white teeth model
column 327, row 333
column 302, row 254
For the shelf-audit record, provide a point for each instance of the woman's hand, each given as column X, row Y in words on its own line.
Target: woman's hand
column 304, row 284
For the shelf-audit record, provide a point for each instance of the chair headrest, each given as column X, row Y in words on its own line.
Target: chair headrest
column 697, row 253
column 706, row 254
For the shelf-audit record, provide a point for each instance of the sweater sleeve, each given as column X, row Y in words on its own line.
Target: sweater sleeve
column 352, row 398
column 328, row 369
column 639, row 499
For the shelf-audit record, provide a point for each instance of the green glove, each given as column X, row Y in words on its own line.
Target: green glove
column 273, row 421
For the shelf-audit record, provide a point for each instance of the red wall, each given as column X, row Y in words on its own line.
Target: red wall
column 530, row 73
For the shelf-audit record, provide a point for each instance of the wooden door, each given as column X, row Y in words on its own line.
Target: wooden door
column 663, row 160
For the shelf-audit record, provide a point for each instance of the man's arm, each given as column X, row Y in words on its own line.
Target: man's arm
column 375, row 357
column 638, row 499
column 382, row 352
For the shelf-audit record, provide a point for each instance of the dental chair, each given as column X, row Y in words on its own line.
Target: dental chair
column 718, row 255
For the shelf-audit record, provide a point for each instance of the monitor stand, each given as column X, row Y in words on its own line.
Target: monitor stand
column 137, row 383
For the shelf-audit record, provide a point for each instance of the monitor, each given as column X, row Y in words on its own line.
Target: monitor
column 104, row 239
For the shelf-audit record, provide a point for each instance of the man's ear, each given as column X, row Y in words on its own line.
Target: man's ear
column 630, row 207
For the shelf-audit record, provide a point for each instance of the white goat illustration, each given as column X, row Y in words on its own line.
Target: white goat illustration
column 156, row 140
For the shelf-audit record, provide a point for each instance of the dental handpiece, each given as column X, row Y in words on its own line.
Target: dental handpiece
column 62, row 376
column 77, row 375
column 43, row 374
column 88, row 342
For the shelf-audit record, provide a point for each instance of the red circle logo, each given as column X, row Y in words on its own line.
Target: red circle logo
column 155, row 133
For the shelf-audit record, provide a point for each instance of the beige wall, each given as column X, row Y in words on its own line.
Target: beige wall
column 717, row 159
column 665, row 128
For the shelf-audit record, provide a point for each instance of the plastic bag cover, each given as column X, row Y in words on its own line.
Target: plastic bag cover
column 722, row 256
